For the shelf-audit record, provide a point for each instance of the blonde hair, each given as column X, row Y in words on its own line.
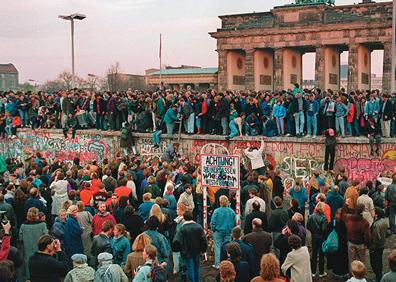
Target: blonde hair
column 157, row 212
column 147, row 197
column 320, row 207
column 32, row 214
column 72, row 209
column 269, row 267
column 141, row 241
column 298, row 217
column 223, row 201
column 121, row 227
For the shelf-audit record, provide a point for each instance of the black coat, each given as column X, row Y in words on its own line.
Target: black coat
column 278, row 220
column 45, row 268
column 190, row 240
column 134, row 225
column 249, row 218
column 387, row 113
column 102, row 109
column 261, row 242
column 295, row 105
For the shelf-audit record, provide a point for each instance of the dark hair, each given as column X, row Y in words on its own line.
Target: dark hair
column 295, row 204
column 152, row 223
column 294, row 241
column 123, row 201
column 107, row 225
column 188, row 215
column 128, row 211
column 392, row 261
column 236, row 232
column 234, row 250
column 44, row 241
column 256, row 206
column 7, row 271
column 278, row 201
column 293, row 226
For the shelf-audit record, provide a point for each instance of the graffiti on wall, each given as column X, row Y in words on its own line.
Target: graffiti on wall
column 85, row 147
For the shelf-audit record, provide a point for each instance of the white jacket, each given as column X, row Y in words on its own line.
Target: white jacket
column 300, row 264
column 256, row 156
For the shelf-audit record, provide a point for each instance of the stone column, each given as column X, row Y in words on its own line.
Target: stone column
column 249, row 69
column 387, row 68
column 278, row 65
column 222, row 72
column 353, row 70
column 320, row 77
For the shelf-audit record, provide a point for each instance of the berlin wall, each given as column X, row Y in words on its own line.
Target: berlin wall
column 293, row 157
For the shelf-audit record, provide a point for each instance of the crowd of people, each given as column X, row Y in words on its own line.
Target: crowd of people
column 129, row 219
column 294, row 112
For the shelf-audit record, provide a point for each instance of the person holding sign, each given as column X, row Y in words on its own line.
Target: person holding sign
column 256, row 157
column 236, row 126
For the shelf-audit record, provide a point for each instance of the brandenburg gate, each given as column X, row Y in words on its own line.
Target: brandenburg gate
column 263, row 51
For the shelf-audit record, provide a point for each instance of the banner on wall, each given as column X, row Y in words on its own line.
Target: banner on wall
column 220, row 171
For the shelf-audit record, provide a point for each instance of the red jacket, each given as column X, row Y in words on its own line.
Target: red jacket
column 5, row 247
column 98, row 220
column 351, row 113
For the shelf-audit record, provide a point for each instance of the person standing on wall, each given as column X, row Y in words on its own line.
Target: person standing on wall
column 256, row 157
column 330, row 143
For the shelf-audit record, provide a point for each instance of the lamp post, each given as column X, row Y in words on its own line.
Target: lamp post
column 71, row 18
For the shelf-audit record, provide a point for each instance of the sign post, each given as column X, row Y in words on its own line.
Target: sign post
column 220, row 171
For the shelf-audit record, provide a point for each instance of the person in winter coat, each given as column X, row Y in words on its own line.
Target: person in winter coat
column 191, row 241
column 341, row 111
column 158, row 240
column 81, row 271
column 58, row 228
column 84, row 219
column 365, row 200
column 349, row 117
column 279, row 113
column 297, row 262
column 150, row 256
column 335, row 201
column 222, row 222
column 186, row 198
column 170, row 118
column 73, row 232
column 120, row 245
column 330, row 143
column 317, row 224
column 49, row 263
column 256, row 157
column 338, row 261
column 109, row 271
column 60, row 188
column 256, row 213
column 70, row 123
column 29, row 234
column 312, row 106
column 135, row 259
column 102, row 242
column 390, row 196
column 270, row 269
column 101, row 217
column 379, row 230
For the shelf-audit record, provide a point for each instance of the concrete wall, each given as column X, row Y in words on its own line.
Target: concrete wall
column 235, row 69
column 332, row 68
column 292, row 67
column 294, row 157
column 263, row 69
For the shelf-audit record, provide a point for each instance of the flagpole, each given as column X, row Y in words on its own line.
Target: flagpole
column 160, row 57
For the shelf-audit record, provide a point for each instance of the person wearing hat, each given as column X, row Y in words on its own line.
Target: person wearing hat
column 108, row 271
column 170, row 118
column 81, row 271
column 330, row 143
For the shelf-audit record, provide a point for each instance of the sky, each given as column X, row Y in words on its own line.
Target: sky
column 125, row 31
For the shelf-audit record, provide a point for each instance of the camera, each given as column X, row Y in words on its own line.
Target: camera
column 3, row 217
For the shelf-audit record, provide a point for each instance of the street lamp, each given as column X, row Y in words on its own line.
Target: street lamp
column 71, row 18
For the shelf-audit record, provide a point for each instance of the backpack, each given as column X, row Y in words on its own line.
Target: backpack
column 330, row 245
column 158, row 274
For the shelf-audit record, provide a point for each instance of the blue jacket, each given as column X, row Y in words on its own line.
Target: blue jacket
column 161, row 243
column 170, row 116
column 144, row 210
column 340, row 109
column 372, row 107
column 10, row 107
column 223, row 220
column 121, row 248
column 335, row 201
column 72, row 237
column 171, row 201
column 301, row 196
column 312, row 107
column 279, row 110
column 265, row 108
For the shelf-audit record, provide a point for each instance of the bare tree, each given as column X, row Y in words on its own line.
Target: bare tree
column 113, row 79
column 66, row 78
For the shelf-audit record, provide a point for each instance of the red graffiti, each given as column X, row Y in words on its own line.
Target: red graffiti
column 364, row 169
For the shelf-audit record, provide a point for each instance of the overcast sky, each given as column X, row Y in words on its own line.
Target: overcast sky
column 38, row 43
